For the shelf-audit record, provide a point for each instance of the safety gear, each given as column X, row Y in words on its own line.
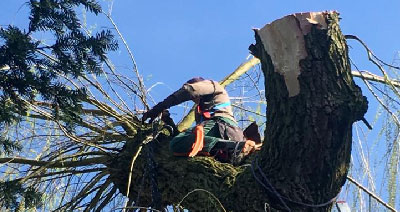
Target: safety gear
column 195, row 79
column 209, row 113
column 214, row 120
column 214, row 129
column 150, row 114
column 218, row 137
column 169, row 123
column 206, row 93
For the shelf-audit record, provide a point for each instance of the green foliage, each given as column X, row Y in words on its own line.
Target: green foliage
column 58, row 14
column 34, row 68
column 7, row 146
column 32, row 71
column 13, row 194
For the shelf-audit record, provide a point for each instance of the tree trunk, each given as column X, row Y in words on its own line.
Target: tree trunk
column 312, row 104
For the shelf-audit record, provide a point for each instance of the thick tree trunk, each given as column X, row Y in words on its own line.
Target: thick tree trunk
column 312, row 104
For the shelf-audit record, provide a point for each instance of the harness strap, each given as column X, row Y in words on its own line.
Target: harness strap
column 222, row 105
column 204, row 114
column 210, row 113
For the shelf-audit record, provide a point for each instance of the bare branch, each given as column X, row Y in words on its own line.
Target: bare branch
column 371, row 194
column 56, row 164
column 83, row 193
column 73, row 171
column 106, row 199
column 372, row 77
column 141, row 84
column 372, row 58
column 247, row 110
column 99, row 194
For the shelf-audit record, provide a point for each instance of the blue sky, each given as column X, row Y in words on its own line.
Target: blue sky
column 210, row 38
column 175, row 40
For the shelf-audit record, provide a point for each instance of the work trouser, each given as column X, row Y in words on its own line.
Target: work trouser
column 215, row 141
column 182, row 143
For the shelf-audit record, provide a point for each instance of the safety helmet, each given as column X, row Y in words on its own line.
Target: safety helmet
column 195, row 79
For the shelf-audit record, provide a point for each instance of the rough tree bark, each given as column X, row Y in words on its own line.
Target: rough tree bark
column 312, row 104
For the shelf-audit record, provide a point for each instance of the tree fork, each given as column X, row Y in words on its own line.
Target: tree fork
column 312, row 104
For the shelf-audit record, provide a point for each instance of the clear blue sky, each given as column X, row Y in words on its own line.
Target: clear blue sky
column 175, row 40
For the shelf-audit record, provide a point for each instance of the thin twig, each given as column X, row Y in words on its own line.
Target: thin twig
column 371, row 57
column 371, row 194
column 247, row 110
column 200, row 190
column 380, row 101
column 116, row 93
column 136, row 207
column 141, row 84
column 372, row 77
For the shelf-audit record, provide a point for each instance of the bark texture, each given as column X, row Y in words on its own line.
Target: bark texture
column 312, row 104
column 307, row 146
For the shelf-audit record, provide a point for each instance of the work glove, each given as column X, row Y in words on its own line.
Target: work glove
column 250, row 147
column 166, row 118
column 150, row 114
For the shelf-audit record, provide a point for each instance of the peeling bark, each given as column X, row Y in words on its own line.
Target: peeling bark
column 312, row 104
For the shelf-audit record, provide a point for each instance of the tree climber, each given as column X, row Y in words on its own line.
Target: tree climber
column 216, row 132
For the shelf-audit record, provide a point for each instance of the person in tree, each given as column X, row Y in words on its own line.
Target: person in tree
column 216, row 132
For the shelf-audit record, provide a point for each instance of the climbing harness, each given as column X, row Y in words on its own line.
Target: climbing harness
column 208, row 114
column 207, row 106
